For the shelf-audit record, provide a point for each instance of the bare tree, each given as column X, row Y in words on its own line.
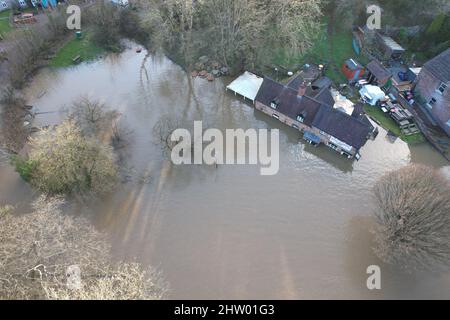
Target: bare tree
column 27, row 47
column 163, row 129
column 39, row 248
column 413, row 217
column 92, row 116
column 236, row 28
column 296, row 23
column 15, row 120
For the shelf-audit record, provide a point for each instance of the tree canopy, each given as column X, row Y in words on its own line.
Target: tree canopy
column 413, row 215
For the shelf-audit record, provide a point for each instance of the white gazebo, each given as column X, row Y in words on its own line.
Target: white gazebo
column 246, row 85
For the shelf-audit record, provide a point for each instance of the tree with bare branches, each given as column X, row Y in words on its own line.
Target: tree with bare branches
column 41, row 249
column 413, row 215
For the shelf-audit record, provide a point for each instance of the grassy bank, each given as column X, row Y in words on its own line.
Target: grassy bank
column 388, row 124
column 4, row 22
column 84, row 48
column 331, row 48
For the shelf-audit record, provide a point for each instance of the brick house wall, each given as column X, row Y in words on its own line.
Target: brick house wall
column 426, row 86
column 324, row 137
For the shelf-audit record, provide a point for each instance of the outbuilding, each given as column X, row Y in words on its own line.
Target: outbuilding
column 352, row 70
column 391, row 49
column 247, row 85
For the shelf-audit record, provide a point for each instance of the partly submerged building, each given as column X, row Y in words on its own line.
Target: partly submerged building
column 308, row 107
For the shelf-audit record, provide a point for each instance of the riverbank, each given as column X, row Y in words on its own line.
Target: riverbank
column 76, row 50
column 5, row 27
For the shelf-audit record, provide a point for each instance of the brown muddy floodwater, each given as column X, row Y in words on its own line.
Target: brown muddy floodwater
column 229, row 232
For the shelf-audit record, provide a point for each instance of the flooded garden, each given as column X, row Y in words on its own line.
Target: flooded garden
column 228, row 232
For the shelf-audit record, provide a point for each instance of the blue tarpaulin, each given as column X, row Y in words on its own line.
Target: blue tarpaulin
column 356, row 46
column 311, row 137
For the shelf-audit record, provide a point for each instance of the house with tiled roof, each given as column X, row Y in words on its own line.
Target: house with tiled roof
column 308, row 107
column 433, row 86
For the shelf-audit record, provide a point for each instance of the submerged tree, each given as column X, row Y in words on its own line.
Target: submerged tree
column 413, row 218
column 62, row 160
column 39, row 250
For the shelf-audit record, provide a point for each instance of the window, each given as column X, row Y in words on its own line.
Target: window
column 333, row 146
column 274, row 104
column 276, row 116
column 300, row 118
column 442, row 88
column 431, row 103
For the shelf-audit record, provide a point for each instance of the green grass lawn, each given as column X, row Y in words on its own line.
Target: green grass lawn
column 4, row 22
column 331, row 52
column 389, row 124
column 84, row 48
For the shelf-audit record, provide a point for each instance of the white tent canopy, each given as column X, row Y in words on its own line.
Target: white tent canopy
column 246, row 85
column 371, row 94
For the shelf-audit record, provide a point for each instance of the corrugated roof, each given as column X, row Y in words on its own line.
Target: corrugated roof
column 247, row 85
column 439, row 66
column 392, row 44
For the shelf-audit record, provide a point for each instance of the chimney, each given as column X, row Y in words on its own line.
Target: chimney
column 302, row 89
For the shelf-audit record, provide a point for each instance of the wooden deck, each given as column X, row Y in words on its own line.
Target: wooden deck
column 435, row 135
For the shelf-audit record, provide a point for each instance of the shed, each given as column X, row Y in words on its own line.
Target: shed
column 377, row 74
column 352, row 69
column 391, row 49
column 246, row 85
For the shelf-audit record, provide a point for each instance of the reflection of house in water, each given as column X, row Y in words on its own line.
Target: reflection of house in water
column 308, row 108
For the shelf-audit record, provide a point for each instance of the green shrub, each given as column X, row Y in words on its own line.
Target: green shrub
column 436, row 24
column 24, row 167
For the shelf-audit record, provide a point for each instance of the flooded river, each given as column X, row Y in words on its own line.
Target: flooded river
column 230, row 232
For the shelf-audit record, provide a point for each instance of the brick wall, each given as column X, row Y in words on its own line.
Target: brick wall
column 324, row 138
column 427, row 86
